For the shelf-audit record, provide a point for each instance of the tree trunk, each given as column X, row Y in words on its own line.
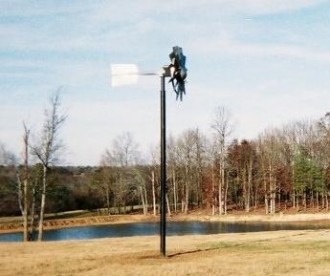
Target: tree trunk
column 168, row 205
column 226, row 194
column 265, row 192
column 25, row 185
column 187, row 198
column 23, row 189
column 108, row 199
column 273, row 202
column 153, row 192
column 305, row 200
column 297, row 201
column 294, row 199
column 42, row 205
column 146, row 199
column 250, row 182
column 25, row 211
column 272, row 194
column 213, row 193
column 272, row 186
column 175, row 196
column 245, row 191
column 32, row 214
column 220, row 198
column 221, row 183
column 143, row 201
column 21, row 206
column 124, row 207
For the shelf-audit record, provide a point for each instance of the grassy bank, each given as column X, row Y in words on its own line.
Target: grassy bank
column 263, row 253
column 83, row 218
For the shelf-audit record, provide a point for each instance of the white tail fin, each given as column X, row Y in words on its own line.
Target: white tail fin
column 124, row 74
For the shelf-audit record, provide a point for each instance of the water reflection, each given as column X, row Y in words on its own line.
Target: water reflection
column 173, row 228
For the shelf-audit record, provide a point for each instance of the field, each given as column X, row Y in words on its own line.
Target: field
column 265, row 253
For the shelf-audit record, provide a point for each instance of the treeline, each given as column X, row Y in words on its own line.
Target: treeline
column 69, row 189
column 287, row 167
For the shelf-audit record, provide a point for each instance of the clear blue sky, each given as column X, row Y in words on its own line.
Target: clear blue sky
column 266, row 61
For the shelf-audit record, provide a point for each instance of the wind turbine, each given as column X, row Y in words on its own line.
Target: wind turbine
column 126, row 74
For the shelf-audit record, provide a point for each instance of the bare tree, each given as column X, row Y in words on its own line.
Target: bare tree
column 47, row 148
column 242, row 159
column 269, row 156
column 200, row 161
column 140, row 180
column 23, row 182
column 173, row 169
column 187, row 158
column 123, row 156
column 103, row 180
column 154, row 173
column 222, row 128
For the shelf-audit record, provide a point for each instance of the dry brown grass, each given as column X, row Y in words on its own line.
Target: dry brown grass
column 265, row 253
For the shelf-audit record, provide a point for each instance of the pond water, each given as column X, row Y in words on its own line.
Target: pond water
column 173, row 228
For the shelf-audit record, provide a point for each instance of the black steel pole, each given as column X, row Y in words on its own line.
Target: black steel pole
column 163, row 167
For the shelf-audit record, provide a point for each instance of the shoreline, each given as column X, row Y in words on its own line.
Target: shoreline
column 318, row 218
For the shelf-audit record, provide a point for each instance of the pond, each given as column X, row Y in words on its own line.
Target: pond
column 173, row 228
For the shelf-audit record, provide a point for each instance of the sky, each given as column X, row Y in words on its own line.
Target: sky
column 266, row 61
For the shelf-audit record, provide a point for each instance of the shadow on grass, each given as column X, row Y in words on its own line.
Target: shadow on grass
column 159, row 256
column 190, row 252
